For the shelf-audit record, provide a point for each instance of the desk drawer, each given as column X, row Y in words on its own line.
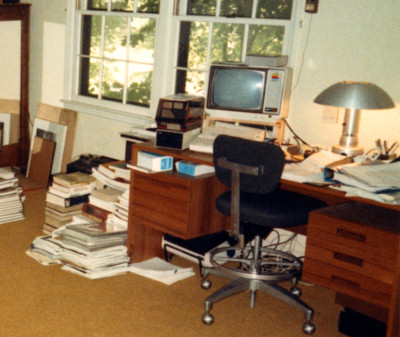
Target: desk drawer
column 171, row 203
column 347, row 282
column 352, row 249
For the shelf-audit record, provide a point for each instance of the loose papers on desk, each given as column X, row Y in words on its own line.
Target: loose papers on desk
column 380, row 182
column 310, row 169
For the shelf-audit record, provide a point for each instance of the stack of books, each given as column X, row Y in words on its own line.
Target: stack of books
column 119, row 219
column 65, row 198
column 11, row 197
column 111, row 176
column 105, row 198
column 84, row 247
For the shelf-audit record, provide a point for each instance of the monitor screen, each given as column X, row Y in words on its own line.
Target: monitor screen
column 238, row 88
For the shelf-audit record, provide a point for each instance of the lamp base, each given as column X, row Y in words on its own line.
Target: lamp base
column 350, row 151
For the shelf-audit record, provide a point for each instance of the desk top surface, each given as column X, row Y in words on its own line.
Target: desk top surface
column 333, row 196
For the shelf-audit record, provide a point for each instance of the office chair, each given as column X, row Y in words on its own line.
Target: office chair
column 256, row 206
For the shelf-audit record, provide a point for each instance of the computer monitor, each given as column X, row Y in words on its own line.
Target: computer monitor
column 248, row 93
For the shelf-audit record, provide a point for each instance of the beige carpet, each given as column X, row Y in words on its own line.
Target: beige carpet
column 46, row 301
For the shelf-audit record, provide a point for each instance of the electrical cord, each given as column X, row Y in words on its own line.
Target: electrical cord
column 298, row 139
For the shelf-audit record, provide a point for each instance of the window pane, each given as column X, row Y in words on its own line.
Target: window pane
column 123, row 5
column 115, row 37
column 227, row 42
column 202, row 7
column 89, row 80
column 193, row 45
column 236, row 8
column 265, row 40
column 91, row 37
column 139, row 86
column 142, row 40
column 190, row 82
column 97, row 4
column 148, row 6
column 274, row 9
column 113, row 80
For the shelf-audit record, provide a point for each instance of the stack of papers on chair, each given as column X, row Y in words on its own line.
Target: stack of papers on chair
column 160, row 270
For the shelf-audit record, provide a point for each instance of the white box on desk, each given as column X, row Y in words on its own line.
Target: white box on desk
column 154, row 161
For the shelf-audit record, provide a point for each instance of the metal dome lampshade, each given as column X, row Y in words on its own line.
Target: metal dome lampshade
column 354, row 97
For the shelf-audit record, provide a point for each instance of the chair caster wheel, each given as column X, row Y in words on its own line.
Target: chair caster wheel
column 295, row 291
column 308, row 328
column 205, row 284
column 208, row 318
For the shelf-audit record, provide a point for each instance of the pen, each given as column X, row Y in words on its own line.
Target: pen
column 393, row 148
column 379, row 144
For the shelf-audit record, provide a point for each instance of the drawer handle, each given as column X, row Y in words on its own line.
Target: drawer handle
column 351, row 235
column 344, row 281
column 348, row 258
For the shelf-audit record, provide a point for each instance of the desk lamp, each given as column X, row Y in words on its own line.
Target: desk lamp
column 353, row 96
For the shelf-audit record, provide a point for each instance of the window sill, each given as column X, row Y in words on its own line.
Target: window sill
column 109, row 113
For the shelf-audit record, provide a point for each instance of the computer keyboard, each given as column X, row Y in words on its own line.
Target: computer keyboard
column 204, row 142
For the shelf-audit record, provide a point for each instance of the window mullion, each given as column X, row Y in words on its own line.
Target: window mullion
column 218, row 8
column 245, row 40
column 101, row 59
column 127, row 63
column 254, row 9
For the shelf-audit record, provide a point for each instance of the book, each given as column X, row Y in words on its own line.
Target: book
column 73, row 179
column 121, row 170
column 56, row 222
column 105, row 198
column 66, row 202
column 63, row 194
column 95, row 212
column 154, row 161
column 63, row 209
column 6, row 173
column 73, row 189
column 193, row 169
column 116, row 183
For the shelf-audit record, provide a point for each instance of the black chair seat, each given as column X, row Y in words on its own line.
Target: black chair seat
column 278, row 209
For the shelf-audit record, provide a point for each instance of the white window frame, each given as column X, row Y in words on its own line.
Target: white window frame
column 165, row 59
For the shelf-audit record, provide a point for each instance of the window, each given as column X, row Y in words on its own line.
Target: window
column 125, row 54
column 227, row 31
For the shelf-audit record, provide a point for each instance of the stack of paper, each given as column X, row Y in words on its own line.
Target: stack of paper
column 310, row 169
column 88, row 249
column 380, row 182
column 11, row 197
column 160, row 270
column 106, row 179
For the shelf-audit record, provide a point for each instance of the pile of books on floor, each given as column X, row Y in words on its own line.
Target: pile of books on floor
column 11, row 197
column 84, row 247
column 65, row 198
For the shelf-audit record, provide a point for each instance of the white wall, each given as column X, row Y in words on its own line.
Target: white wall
column 346, row 40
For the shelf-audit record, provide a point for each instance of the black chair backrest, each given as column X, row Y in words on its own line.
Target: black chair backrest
column 252, row 153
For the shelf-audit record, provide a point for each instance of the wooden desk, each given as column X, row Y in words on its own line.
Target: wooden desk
column 184, row 206
column 171, row 203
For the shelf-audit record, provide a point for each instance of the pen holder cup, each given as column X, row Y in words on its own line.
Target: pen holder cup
column 386, row 157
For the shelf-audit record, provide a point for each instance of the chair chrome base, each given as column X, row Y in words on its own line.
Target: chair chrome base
column 256, row 268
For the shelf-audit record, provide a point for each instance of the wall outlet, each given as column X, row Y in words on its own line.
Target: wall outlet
column 330, row 114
